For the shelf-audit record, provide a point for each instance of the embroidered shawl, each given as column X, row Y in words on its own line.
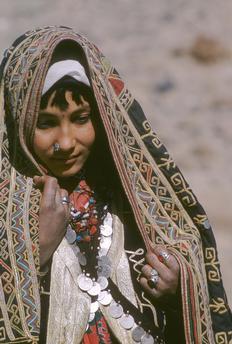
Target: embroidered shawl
column 165, row 209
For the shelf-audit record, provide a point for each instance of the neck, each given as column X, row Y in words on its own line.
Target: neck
column 71, row 183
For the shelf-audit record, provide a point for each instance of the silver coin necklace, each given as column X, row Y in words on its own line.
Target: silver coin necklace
column 90, row 234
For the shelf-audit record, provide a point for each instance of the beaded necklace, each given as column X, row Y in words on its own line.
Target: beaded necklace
column 84, row 215
column 90, row 234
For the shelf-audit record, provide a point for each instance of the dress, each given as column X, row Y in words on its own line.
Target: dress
column 163, row 207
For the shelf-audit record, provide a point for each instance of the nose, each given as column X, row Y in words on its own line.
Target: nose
column 66, row 139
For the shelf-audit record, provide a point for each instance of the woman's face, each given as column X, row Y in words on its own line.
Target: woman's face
column 72, row 129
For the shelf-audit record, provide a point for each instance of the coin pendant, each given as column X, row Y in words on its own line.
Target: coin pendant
column 105, row 242
column 81, row 258
column 82, row 275
column 104, row 270
column 127, row 321
column 94, row 307
column 108, row 220
column 84, row 282
column 115, row 310
column 106, row 230
column 75, row 249
column 104, row 260
column 147, row 339
column 105, row 298
column 101, row 295
column 103, row 282
column 95, row 289
column 137, row 333
column 70, row 235
column 102, row 252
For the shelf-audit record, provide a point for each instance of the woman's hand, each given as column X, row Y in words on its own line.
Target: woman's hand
column 53, row 216
column 166, row 268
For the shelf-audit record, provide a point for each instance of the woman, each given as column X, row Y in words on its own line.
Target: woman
column 99, row 227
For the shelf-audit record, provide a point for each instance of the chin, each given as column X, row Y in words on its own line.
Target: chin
column 68, row 173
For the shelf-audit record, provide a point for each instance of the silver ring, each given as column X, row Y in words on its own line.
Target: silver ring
column 163, row 257
column 56, row 147
column 154, row 273
column 65, row 200
column 152, row 282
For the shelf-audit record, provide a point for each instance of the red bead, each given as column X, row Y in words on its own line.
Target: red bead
column 93, row 220
column 87, row 238
column 78, row 226
column 161, row 258
column 93, row 230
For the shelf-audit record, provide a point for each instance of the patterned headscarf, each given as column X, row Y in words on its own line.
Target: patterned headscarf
column 165, row 209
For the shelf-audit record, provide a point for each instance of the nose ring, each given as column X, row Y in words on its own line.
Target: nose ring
column 56, row 147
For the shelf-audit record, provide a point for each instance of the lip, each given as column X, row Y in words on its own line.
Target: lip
column 66, row 160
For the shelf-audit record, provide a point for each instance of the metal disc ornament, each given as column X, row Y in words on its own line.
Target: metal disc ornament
column 70, row 235
column 81, row 258
column 105, row 242
column 104, row 298
column 103, row 251
column 95, row 290
column 75, row 249
column 80, row 277
column 85, row 283
column 104, row 260
column 104, row 270
column 115, row 310
column 147, row 339
column 101, row 295
column 108, row 220
column 137, row 333
column 103, row 282
column 127, row 321
column 106, row 230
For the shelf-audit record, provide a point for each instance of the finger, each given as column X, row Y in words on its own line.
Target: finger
column 64, row 193
column 153, row 261
column 146, row 271
column 166, row 258
column 39, row 182
column 50, row 190
column 36, row 179
column 149, row 273
column 152, row 291
column 166, row 279
column 162, row 254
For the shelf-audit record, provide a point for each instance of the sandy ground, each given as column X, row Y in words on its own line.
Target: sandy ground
column 176, row 58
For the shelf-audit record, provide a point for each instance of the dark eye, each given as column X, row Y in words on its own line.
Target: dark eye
column 81, row 118
column 46, row 123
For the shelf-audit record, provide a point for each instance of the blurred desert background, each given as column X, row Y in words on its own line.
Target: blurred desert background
column 176, row 58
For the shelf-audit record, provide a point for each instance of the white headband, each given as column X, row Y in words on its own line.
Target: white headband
column 60, row 69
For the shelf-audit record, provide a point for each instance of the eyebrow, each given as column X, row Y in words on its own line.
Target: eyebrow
column 46, row 113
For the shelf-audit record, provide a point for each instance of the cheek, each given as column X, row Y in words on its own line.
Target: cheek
column 90, row 137
column 41, row 143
